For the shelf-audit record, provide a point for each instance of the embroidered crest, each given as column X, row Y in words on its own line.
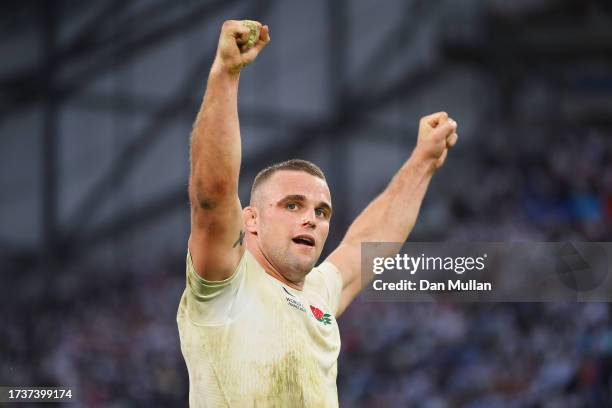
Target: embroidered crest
column 324, row 318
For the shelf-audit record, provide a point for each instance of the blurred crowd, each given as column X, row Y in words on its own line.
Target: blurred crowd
column 535, row 189
column 476, row 355
column 110, row 335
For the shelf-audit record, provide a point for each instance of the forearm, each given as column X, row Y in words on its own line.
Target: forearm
column 215, row 140
column 392, row 215
column 389, row 218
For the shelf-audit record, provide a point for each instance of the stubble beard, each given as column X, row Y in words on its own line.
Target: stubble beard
column 290, row 265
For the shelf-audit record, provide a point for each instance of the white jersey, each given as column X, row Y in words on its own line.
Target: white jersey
column 251, row 341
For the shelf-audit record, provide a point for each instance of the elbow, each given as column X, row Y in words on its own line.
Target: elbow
column 203, row 202
column 208, row 195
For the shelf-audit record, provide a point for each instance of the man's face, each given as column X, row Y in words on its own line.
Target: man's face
column 293, row 211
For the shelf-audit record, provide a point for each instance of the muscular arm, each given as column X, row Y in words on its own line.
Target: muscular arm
column 216, row 236
column 392, row 215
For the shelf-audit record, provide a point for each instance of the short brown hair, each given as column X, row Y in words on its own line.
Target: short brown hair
column 292, row 165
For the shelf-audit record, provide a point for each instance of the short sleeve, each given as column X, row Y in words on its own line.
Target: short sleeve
column 204, row 290
column 211, row 303
column 333, row 282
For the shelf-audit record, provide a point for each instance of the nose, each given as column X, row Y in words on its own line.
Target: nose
column 309, row 220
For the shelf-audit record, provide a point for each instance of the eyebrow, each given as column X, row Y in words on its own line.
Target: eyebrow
column 301, row 198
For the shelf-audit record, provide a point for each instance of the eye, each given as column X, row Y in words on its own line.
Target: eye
column 320, row 213
column 292, row 206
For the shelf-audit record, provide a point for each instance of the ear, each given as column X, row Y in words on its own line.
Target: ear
column 250, row 219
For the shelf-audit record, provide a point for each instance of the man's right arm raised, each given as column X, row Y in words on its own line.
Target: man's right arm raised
column 216, row 241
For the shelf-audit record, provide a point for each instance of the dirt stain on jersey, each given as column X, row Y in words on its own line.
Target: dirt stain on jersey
column 294, row 381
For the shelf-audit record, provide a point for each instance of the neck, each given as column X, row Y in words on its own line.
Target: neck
column 254, row 248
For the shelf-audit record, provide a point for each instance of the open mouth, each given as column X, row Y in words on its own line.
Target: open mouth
column 304, row 240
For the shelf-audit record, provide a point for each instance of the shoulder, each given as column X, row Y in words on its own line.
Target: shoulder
column 203, row 289
column 326, row 280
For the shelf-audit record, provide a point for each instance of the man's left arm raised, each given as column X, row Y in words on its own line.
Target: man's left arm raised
column 392, row 215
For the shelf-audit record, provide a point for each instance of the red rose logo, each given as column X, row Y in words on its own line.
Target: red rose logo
column 318, row 314
column 324, row 318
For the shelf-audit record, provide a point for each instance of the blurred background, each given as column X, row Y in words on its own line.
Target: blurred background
column 97, row 100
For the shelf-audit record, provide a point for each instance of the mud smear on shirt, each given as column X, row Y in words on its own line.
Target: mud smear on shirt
column 289, row 379
column 292, row 381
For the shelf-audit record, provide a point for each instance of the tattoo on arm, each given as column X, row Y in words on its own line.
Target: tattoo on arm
column 239, row 240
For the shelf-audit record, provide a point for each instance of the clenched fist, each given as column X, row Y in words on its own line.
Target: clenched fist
column 437, row 134
column 234, row 51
